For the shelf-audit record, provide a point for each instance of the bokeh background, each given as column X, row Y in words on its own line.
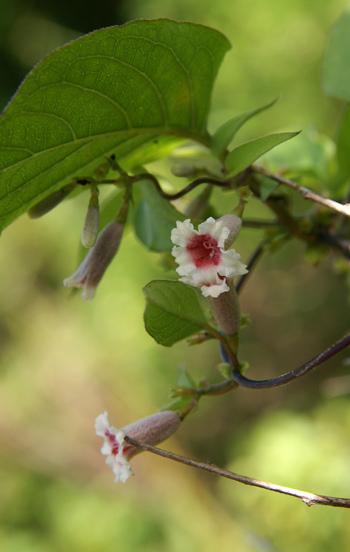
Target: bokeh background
column 63, row 362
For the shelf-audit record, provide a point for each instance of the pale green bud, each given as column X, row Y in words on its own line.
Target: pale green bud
column 49, row 202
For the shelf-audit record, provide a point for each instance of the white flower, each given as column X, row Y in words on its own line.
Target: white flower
column 93, row 267
column 151, row 430
column 114, row 447
column 202, row 258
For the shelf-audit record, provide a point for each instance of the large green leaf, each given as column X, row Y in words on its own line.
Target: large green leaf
column 154, row 218
column 336, row 67
column 244, row 155
column 173, row 312
column 122, row 90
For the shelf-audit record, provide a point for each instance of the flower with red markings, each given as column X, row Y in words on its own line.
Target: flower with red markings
column 151, row 430
column 202, row 257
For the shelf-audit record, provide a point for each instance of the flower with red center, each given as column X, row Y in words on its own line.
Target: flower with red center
column 151, row 430
column 202, row 257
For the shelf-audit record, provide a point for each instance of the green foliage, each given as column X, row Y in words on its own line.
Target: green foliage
column 336, row 68
column 119, row 90
column 184, row 378
column 154, row 218
column 310, row 154
column 344, row 143
column 244, row 155
column 163, row 82
column 173, row 312
column 224, row 135
column 267, row 186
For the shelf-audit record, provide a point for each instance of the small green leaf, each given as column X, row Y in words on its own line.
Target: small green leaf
column 224, row 135
column 131, row 90
column 178, row 404
column 225, row 370
column 184, row 378
column 310, row 153
column 173, row 312
column 336, row 67
column 243, row 156
column 267, row 186
column 154, row 218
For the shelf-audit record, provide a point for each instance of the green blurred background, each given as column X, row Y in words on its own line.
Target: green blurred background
column 63, row 362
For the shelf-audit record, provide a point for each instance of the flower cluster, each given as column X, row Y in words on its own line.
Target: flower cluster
column 151, row 430
column 202, row 254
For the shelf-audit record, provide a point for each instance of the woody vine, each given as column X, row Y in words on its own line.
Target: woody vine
column 93, row 115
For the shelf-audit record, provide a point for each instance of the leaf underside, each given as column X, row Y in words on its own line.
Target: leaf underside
column 124, row 90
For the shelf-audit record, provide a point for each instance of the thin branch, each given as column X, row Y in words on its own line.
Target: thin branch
column 251, row 263
column 308, row 498
column 342, row 244
column 305, row 192
column 259, row 224
column 184, row 191
column 298, row 373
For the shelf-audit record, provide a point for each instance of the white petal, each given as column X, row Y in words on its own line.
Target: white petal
column 77, row 279
column 214, row 290
column 101, row 424
column 119, row 436
column 206, row 226
column 182, row 233
column 204, row 276
column 106, row 448
column 121, row 468
column 230, row 264
column 89, row 291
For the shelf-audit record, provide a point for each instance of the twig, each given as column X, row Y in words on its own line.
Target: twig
column 184, row 191
column 308, row 498
column 251, row 263
column 298, row 373
column 305, row 192
column 259, row 224
column 342, row 244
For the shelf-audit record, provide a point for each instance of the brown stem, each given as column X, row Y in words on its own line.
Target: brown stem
column 184, row 191
column 298, row 373
column 308, row 498
column 251, row 264
column 305, row 192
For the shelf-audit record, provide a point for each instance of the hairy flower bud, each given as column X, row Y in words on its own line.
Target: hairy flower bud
column 226, row 311
column 50, row 202
column 92, row 220
column 151, row 430
column 234, row 224
column 93, row 267
column 179, row 169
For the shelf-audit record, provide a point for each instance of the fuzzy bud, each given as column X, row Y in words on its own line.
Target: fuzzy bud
column 234, row 224
column 226, row 311
column 92, row 221
column 153, row 429
column 181, row 170
column 50, row 202
column 93, row 267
